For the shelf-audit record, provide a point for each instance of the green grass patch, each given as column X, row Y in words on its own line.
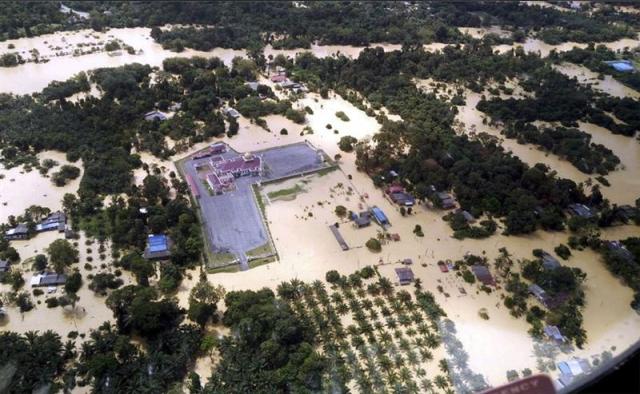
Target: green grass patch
column 326, row 171
column 260, row 250
column 285, row 192
column 228, row 269
column 258, row 262
column 256, row 192
column 220, row 259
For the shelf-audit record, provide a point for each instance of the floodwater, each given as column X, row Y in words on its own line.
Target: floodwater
column 608, row 85
column 32, row 77
column 307, row 217
column 20, row 189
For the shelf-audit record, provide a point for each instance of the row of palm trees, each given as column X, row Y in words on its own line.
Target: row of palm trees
column 372, row 335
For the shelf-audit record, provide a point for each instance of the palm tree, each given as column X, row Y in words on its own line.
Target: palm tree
column 441, row 382
column 421, row 373
column 426, row 355
column 386, row 287
column 379, row 302
column 405, row 375
column 426, row 385
column 432, row 340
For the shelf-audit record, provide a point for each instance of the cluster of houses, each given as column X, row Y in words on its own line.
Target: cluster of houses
column 363, row 219
column 281, row 79
column 550, row 263
column 397, row 195
column 572, row 369
column 56, row 221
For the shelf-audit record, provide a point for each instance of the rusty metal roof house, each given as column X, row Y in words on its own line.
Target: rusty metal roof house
column 483, row 274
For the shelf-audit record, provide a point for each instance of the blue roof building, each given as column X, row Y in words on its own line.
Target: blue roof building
column 621, row 65
column 379, row 216
column 158, row 247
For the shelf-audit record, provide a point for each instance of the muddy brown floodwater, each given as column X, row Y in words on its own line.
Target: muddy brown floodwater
column 306, row 247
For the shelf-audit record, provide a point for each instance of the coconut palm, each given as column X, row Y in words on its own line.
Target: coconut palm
column 412, row 358
column 432, row 340
column 426, row 355
column 386, row 287
column 421, row 373
column 426, row 385
column 405, row 375
column 441, row 382
column 379, row 302
column 411, row 332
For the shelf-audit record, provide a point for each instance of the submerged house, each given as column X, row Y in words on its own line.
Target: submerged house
column 158, row 247
column 573, row 368
column 379, row 216
column 5, row 266
column 618, row 248
column 55, row 221
column 549, row 262
column 483, row 274
column 581, row 210
column 19, row 232
column 398, row 195
column 362, row 220
column 623, row 66
column 231, row 112
column 405, row 275
column 444, row 200
column 155, row 115
column 48, row 279
column 553, row 333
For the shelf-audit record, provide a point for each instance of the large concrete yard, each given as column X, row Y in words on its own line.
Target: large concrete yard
column 232, row 220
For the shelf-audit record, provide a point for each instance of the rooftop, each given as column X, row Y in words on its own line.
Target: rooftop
column 158, row 246
column 405, row 275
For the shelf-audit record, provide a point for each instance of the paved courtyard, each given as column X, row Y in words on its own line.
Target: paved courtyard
column 232, row 220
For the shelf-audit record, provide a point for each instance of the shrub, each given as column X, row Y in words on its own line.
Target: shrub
column 51, row 302
column 346, row 143
column 341, row 211
column 332, row 276
column 284, row 132
column 37, row 292
column 563, row 251
column 468, row 276
column 373, row 245
column 342, row 116
column 417, row 230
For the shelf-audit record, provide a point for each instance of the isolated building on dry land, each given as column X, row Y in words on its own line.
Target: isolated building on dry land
column 19, row 232
column 48, row 279
column 482, row 273
column 405, row 275
column 155, row 115
column 158, row 247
